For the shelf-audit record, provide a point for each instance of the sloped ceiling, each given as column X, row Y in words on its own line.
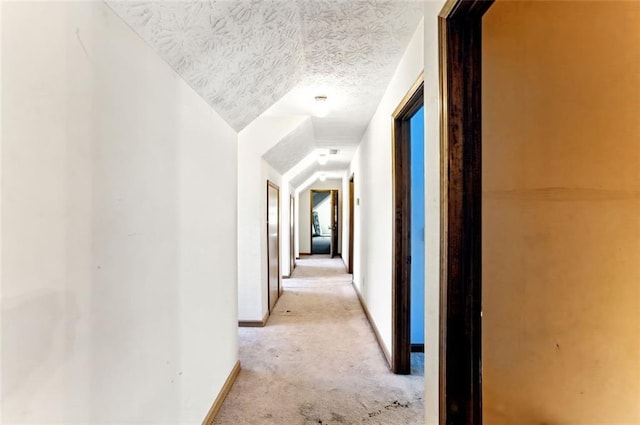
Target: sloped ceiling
column 304, row 175
column 292, row 148
column 332, row 169
column 243, row 56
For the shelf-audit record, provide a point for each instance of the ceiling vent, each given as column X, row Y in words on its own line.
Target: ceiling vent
column 333, row 151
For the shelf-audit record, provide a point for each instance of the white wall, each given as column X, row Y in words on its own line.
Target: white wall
column 304, row 217
column 371, row 167
column 253, row 172
column 373, row 180
column 285, row 232
column 119, row 226
column 296, row 236
column 304, row 223
column 432, row 210
column 344, row 233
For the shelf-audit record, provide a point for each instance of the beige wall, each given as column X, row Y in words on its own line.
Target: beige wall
column 561, row 213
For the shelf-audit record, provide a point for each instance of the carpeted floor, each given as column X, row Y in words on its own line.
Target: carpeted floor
column 317, row 361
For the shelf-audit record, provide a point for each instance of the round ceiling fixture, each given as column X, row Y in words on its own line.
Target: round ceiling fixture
column 320, row 108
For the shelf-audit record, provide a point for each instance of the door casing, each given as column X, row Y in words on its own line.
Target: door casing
column 333, row 218
column 273, row 196
column 460, row 51
column 334, row 223
column 401, row 281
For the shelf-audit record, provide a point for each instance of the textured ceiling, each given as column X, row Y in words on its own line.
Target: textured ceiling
column 243, row 57
column 303, row 176
column 240, row 56
column 334, row 167
column 292, row 149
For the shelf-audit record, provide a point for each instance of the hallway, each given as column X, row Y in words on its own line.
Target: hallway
column 317, row 360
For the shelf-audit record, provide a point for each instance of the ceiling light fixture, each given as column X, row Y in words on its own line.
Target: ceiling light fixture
column 323, row 177
column 320, row 108
column 322, row 159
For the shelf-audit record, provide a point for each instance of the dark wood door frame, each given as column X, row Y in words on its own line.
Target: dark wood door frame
column 279, row 291
column 311, row 192
column 335, row 232
column 401, row 281
column 351, row 222
column 460, row 50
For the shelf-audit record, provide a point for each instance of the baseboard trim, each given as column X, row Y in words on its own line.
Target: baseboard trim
column 417, row 348
column 217, row 404
column 300, row 254
column 254, row 323
column 385, row 353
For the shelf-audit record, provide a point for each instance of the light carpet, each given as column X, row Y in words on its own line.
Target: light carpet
column 317, row 361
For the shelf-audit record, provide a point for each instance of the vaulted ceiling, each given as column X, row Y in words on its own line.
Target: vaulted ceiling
column 249, row 58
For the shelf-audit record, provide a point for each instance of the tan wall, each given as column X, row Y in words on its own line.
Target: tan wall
column 561, row 213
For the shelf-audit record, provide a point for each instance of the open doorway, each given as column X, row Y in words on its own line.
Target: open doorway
column 324, row 221
column 416, row 137
column 408, row 245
